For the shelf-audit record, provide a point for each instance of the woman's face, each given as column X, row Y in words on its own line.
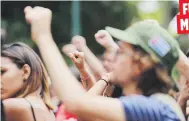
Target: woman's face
column 12, row 78
column 123, row 66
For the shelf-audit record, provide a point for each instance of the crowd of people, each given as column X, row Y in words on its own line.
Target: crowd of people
column 144, row 76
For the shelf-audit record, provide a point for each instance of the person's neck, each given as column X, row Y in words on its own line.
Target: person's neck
column 130, row 89
column 33, row 95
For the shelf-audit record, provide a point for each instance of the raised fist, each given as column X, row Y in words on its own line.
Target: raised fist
column 40, row 20
column 79, row 42
column 69, row 48
column 78, row 59
column 104, row 38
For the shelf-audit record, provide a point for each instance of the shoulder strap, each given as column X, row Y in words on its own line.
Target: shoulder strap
column 31, row 109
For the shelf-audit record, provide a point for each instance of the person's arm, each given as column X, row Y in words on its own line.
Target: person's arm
column 184, row 96
column 68, row 88
column 101, row 85
column 98, row 88
column 183, row 65
column 87, row 78
column 91, row 59
column 105, row 40
column 88, row 81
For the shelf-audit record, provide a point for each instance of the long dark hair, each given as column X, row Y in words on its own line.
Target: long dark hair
column 154, row 79
column 22, row 54
column 150, row 82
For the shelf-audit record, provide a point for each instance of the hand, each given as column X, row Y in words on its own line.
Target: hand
column 104, row 39
column 69, row 48
column 40, row 20
column 79, row 42
column 78, row 59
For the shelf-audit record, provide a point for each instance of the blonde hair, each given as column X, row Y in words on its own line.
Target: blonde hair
column 38, row 80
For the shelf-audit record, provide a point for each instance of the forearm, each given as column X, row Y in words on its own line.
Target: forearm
column 93, row 61
column 112, row 47
column 58, row 70
column 88, row 79
column 182, row 104
column 98, row 88
column 183, row 65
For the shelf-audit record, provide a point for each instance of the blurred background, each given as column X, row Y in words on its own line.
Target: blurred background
column 83, row 17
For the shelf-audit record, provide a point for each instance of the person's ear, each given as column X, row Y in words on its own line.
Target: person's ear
column 26, row 71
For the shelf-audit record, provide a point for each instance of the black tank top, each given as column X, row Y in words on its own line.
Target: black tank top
column 31, row 110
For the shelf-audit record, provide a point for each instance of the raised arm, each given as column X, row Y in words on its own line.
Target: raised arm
column 87, row 78
column 100, row 86
column 91, row 59
column 183, row 65
column 105, row 40
column 40, row 20
column 68, row 88
column 183, row 94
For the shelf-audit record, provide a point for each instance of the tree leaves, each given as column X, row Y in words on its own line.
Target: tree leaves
column 95, row 15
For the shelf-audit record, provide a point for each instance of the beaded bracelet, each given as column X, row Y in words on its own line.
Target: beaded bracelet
column 85, row 78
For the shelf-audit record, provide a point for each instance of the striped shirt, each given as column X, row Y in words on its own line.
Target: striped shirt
column 142, row 108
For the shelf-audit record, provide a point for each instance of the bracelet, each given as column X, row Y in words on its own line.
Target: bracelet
column 85, row 78
column 105, row 81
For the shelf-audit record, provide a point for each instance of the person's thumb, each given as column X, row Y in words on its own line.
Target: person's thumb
column 79, row 54
column 72, row 57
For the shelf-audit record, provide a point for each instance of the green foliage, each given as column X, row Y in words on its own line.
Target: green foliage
column 95, row 15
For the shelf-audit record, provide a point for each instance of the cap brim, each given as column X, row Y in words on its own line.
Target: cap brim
column 121, row 35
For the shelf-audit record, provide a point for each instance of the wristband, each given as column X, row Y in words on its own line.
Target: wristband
column 105, row 81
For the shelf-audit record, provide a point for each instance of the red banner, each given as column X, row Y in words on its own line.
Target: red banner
column 183, row 17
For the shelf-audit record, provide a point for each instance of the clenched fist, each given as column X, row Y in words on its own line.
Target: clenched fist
column 40, row 20
column 104, row 39
column 69, row 48
column 79, row 42
column 78, row 59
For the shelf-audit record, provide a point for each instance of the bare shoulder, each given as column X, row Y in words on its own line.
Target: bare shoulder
column 16, row 104
column 17, row 109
